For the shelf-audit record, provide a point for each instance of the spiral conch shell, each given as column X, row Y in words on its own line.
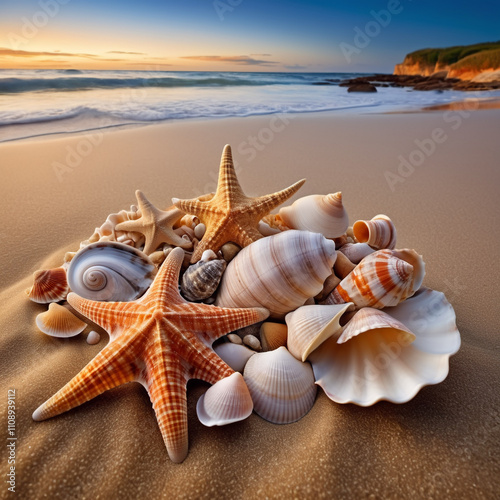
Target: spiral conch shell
column 282, row 387
column 317, row 213
column 49, row 286
column 383, row 278
column 279, row 272
column 110, row 271
column 200, row 280
column 379, row 232
column 59, row 322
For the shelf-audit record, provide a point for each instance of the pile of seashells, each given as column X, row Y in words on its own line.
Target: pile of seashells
column 347, row 310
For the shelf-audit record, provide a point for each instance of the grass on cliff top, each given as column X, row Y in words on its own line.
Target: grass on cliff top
column 480, row 61
column 450, row 55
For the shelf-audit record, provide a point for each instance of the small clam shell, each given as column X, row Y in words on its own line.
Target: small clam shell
column 49, row 286
column 282, row 387
column 110, row 271
column 374, row 359
column 356, row 252
column 234, row 355
column 379, row 233
column 323, row 214
column 225, row 402
column 273, row 335
column 383, row 278
column 202, row 279
column 310, row 326
column 59, row 322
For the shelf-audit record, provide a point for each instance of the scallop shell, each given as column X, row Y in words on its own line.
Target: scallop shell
column 110, row 271
column 310, row 326
column 59, row 322
column 49, row 286
column 282, row 387
column 202, row 279
column 382, row 279
column 273, row 335
column 317, row 213
column 225, row 402
column 374, row 359
column 234, row 355
column 356, row 252
column 278, row 272
column 380, row 232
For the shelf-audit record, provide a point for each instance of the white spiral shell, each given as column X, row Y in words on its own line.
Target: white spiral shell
column 110, row 271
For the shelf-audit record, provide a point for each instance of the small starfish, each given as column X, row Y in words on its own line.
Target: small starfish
column 155, row 225
column 159, row 340
column 231, row 215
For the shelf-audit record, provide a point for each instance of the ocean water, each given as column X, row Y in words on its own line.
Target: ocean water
column 40, row 102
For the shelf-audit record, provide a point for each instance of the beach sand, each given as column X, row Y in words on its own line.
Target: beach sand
column 442, row 444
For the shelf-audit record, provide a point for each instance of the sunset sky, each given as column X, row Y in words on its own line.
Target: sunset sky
column 233, row 35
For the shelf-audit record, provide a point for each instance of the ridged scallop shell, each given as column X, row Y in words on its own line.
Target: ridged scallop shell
column 356, row 252
column 234, row 355
column 317, row 213
column 310, row 326
column 278, row 272
column 374, row 359
column 200, row 280
column 225, row 402
column 110, row 271
column 49, row 286
column 282, row 387
column 273, row 335
column 59, row 322
column 379, row 232
column 382, row 279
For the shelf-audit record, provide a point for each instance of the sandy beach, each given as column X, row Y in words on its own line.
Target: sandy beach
column 434, row 173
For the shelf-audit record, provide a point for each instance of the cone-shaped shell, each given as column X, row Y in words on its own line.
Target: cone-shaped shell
column 375, row 360
column 317, row 213
column 384, row 278
column 273, row 335
column 380, row 232
column 59, row 322
column 200, row 280
column 356, row 252
column 234, row 355
column 282, row 387
column 225, row 402
column 279, row 272
column 310, row 326
column 49, row 286
column 110, row 271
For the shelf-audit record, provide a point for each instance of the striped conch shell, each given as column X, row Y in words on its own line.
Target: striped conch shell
column 49, row 286
column 379, row 358
column 384, row 278
column 317, row 213
column 380, row 232
column 200, row 280
column 282, row 387
column 110, row 271
column 59, row 322
column 225, row 402
column 310, row 326
column 279, row 272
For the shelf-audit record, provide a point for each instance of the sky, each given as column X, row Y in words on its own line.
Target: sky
column 236, row 35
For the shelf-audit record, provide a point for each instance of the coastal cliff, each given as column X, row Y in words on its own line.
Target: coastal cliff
column 480, row 62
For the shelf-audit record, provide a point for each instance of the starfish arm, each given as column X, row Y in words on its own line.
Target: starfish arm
column 112, row 367
column 264, row 204
column 247, row 235
column 130, row 225
column 108, row 315
column 212, row 368
column 193, row 207
column 227, row 186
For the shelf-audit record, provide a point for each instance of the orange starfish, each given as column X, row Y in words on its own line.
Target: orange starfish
column 231, row 215
column 154, row 224
column 159, row 340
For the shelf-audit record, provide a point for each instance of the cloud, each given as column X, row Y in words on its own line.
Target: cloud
column 122, row 52
column 296, row 66
column 243, row 60
column 152, row 66
column 26, row 53
column 261, row 55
